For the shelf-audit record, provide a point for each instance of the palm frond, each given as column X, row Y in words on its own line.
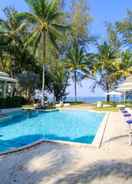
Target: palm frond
column 31, row 38
column 53, row 38
column 26, row 16
column 4, row 25
column 60, row 27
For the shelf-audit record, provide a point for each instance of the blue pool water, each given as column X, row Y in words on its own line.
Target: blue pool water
column 23, row 128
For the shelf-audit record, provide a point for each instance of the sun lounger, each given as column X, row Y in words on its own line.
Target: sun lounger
column 107, row 105
column 129, row 122
column 59, row 105
column 67, row 104
column 127, row 115
column 99, row 104
column 120, row 106
column 128, row 119
column 124, row 111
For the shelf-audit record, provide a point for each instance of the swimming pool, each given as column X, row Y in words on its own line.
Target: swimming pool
column 23, row 128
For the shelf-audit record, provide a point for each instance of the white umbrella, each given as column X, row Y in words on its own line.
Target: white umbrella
column 126, row 86
column 114, row 93
column 124, row 89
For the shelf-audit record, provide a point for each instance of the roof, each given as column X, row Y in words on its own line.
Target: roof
column 5, row 77
column 126, row 85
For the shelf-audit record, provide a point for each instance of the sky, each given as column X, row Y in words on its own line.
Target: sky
column 102, row 11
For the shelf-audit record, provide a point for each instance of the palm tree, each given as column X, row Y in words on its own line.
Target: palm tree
column 46, row 27
column 10, row 31
column 57, row 78
column 77, row 63
column 108, row 63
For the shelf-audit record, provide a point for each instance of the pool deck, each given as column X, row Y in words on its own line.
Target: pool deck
column 54, row 163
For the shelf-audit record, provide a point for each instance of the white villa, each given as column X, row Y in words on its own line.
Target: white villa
column 7, row 85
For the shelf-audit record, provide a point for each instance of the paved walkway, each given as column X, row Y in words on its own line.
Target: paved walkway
column 65, row 164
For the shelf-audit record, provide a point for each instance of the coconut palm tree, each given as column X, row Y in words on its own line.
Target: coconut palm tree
column 11, row 33
column 111, row 66
column 57, row 78
column 107, row 66
column 77, row 63
column 44, row 17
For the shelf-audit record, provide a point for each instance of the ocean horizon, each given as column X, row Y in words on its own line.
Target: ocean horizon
column 92, row 99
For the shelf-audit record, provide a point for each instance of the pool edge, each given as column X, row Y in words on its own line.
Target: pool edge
column 97, row 142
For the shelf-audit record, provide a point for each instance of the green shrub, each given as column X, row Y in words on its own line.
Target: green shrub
column 10, row 102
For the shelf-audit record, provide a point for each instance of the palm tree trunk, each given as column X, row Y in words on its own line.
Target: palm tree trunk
column 44, row 35
column 108, row 98
column 108, row 90
column 75, row 87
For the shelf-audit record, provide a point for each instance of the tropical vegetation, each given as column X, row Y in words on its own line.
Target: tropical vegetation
column 48, row 46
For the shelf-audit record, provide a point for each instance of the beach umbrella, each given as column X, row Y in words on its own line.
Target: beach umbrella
column 114, row 93
column 125, row 87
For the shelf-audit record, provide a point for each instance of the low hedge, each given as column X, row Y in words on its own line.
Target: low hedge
column 12, row 102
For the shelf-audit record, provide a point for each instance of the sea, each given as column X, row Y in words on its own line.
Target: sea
column 92, row 99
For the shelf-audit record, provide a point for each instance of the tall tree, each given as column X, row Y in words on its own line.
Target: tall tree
column 111, row 67
column 106, row 66
column 80, row 21
column 28, row 81
column 125, row 29
column 10, row 30
column 44, row 18
column 57, row 78
column 78, row 38
column 77, row 63
column 12, row 35
column 113, row 37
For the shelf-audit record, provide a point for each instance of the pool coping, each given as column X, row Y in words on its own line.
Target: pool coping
column 95, row 144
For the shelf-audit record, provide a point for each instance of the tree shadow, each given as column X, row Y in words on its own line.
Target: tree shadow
column 100, row 171
column 45, row 162
column 33, row 165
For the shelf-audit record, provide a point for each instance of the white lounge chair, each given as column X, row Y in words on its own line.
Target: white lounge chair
column 99, row 104
column 67, row 104
column 59, row 105
column 120, row 106
column 107, row 105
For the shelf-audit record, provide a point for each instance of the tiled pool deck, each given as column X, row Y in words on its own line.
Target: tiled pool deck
column 67, row 164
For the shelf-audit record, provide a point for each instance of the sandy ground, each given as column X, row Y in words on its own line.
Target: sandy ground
column 52, row 163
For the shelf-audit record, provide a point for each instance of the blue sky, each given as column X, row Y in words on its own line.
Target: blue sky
column 102, row 11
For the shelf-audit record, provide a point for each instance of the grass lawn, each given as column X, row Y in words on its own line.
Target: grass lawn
column 111, row 109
